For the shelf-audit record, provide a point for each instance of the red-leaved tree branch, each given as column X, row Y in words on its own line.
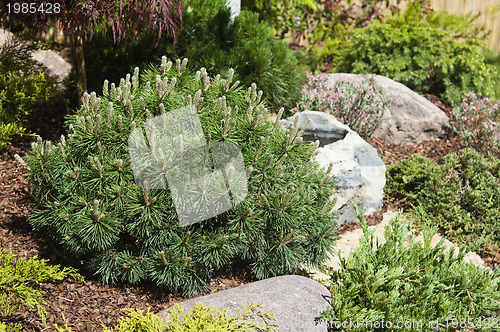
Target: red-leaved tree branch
column 81, row 18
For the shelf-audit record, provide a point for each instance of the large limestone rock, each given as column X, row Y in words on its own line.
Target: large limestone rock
column 55, row 65
column 296, row 301
column 411, row 119
column 359, row 171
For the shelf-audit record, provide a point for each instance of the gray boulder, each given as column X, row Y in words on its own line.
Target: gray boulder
column 359, row 171
column 53, row 63
column 411, row 119
column 296, row 301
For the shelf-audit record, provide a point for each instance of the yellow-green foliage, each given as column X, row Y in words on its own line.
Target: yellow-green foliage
column 208, row 319
column 8, row 130
column 200, row 319
column 14, row 279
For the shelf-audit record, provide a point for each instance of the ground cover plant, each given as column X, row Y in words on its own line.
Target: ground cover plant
column 359, row 105
column 461, row 197
column 210, row 39
column 16, row 286
column 402, row 285
column 477, row 121
column 200, row 319
column 94, row 210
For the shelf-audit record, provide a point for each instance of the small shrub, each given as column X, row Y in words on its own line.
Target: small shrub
column 415, row 287
column 22, row 81
column 462, row 196
column 91, row 205
column 357, row 104
column 9, row 130
column 425, row 57
column 477, row 121
column 22, row 85
column 16, row 278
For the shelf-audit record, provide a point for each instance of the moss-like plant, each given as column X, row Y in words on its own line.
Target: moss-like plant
column 16, row 278
column 404, row 285
column 93, row 207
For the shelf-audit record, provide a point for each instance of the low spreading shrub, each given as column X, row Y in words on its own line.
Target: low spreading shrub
column 94, row 209
column 427, row 57
column 404, row 285
column 210, row 39
column 461, row 197
column 17, row 277
column 357, row 104
column 200, row 319
column 477, row 121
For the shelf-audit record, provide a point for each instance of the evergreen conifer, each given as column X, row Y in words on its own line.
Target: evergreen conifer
column 93, row 208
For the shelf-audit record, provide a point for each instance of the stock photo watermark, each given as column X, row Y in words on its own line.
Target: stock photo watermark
column 205, row 180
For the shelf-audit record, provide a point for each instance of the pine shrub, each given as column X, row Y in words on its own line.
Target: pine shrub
column 90, row 204
column 402, row 285
column 461, row 197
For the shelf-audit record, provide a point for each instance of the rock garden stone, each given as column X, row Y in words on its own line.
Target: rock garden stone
column 411, row 119
column 296, row 301
column 359, row 171
column 55, row 65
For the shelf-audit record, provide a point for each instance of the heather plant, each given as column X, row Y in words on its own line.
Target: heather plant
column 461, row 197
column 477, row 121
column 96, row 210
column 359, row 104
column 406, row 285
column 17, row 277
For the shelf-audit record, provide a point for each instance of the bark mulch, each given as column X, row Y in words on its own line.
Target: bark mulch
column 86, row 306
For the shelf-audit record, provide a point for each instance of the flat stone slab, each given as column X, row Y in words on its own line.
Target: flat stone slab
column 295, row 300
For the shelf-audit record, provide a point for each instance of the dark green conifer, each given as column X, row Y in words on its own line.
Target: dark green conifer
column 93, row 208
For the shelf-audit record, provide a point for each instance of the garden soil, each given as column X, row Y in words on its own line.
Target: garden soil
column 87, row 306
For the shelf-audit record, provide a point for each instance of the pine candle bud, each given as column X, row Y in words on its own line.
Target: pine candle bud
column 105, row 91
column 20, row 161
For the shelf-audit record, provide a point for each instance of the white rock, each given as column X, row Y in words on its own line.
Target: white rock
column 359, row 171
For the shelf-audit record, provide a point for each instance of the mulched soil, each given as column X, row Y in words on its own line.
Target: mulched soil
column 86, row 306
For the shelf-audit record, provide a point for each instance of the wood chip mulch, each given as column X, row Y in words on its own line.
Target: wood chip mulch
column 86, row 306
